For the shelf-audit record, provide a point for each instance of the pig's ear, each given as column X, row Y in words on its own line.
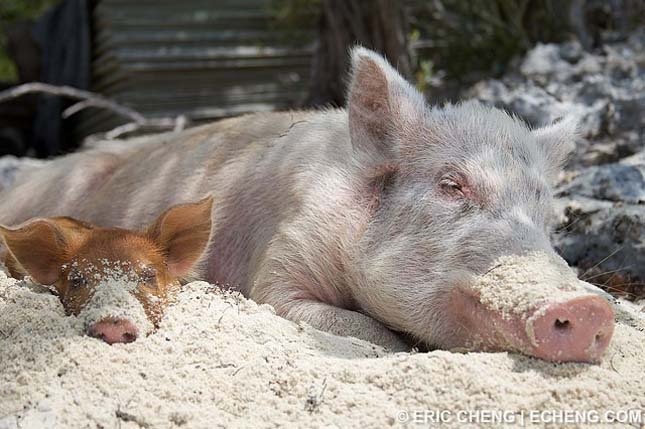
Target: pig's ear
column 37, row 248
column 183, row 232
column 557, row 141
column 383, row 107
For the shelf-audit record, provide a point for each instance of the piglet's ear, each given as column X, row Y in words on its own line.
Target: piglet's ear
column 37, row 248
column 383, row 107
column 557, row 141
column 183, row 232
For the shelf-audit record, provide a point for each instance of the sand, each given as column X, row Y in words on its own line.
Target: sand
column 219, row 360
column 519, row 284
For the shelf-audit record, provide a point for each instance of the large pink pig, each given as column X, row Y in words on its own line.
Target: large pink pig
column 349, row 220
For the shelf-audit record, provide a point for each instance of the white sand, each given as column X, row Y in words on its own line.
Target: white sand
column 518, row 284
column 219, row 360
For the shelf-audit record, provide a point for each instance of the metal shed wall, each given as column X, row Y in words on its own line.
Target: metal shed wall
column 202, row 58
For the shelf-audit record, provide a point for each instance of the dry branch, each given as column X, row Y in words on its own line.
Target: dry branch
column 138, row 122
column 89, row 98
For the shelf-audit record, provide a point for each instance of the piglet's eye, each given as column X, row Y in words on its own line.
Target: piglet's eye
column 148, row 276
column 77, row 281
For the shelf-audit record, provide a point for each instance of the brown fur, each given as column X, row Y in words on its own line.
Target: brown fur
column 74, row 256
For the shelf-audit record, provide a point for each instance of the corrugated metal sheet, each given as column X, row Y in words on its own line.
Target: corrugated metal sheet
column 202, row 58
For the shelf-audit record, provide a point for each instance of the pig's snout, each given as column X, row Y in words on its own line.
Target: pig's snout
column 112, row 330
column 577, row 330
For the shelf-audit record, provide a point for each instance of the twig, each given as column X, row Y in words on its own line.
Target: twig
column 604, row 273
column 176, row 124
column 239, row 369
column 180, row 123
column 315, row 399
column 77, row 107
column 121, row 130
column 618, row 249
column 611, row 361
column 89, row 99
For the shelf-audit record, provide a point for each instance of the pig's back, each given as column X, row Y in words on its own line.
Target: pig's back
column 259, row 168
column 57, row 188
column 259, row 154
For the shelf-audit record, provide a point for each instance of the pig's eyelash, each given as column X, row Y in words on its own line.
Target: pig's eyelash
column 448, row 183
column 451, row 186
column 148, row 275
column 77, row 280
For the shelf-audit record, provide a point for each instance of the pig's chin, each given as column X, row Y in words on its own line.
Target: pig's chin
column 570, row 330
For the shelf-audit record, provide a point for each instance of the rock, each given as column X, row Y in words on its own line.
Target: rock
column 606, row 241
column 602, row 228
column 604, row 90
column 613, row 182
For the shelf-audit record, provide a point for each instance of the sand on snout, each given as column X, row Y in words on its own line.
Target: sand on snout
column 220, row 360
column 521, row 289
column 113, row 296
column 517, row 284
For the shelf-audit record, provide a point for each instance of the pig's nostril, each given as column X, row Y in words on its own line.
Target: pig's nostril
column 114, row 331
column 562, row 325
column 578, row 329
column 599, row 339
column 129, row 337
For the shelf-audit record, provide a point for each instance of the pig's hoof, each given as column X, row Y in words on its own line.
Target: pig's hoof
column 392, row 342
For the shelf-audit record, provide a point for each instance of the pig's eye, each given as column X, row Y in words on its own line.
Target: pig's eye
column 451, row 187
column 148, row 276
column 77, row 281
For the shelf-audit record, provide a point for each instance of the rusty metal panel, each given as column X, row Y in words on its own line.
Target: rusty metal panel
column 203, row 58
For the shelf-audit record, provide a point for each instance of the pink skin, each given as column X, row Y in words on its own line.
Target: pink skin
column 574, row 330
column 351, row 220
column 114, row 331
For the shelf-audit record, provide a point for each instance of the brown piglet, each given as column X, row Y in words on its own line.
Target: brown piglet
column 118, row 281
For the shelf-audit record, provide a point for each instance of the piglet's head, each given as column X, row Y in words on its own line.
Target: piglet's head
column 118, row 281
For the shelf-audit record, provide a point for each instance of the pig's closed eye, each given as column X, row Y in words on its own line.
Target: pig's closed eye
column 77, row 281
column 148, row 276
column 452, row 187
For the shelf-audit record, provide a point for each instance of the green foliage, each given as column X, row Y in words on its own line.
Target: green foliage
column 297, row 20
column 8, row 71
column 479, row 37
column 465, row 39
column 297, row 13
column 14, row 11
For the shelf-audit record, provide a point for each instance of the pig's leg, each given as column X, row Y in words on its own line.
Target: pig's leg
column 303, row 286
column 339, row 321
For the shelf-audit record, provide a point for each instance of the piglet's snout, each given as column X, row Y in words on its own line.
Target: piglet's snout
column 575, row 330
column 113, row 330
